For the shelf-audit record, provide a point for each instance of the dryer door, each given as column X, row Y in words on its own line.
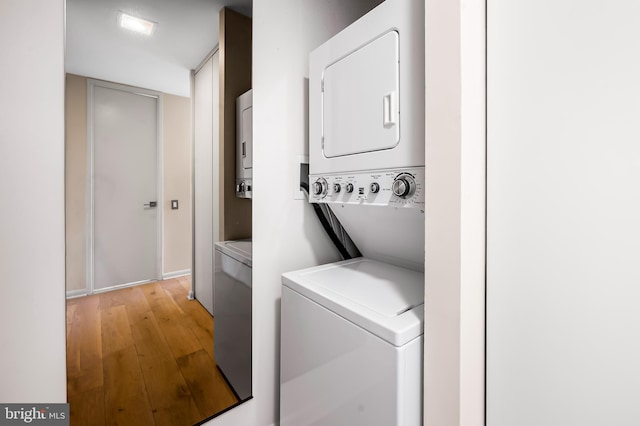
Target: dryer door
column 246, row 148
column 360, row 99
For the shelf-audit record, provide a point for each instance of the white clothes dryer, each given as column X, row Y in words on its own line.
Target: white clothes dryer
column 351, row 345
column 367, row 131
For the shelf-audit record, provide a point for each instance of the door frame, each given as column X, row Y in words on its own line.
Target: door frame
column 91, row 83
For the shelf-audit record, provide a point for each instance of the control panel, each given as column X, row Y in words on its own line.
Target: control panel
column 391, row 187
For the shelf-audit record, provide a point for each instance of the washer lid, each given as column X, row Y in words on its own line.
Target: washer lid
column 239, row 250
column 384, row 299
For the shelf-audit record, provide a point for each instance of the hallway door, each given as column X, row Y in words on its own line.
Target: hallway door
column 126, row 205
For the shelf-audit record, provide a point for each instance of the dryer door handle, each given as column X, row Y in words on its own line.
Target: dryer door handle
column 390, row 109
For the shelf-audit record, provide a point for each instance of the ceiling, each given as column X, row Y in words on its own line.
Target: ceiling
column 187, row 31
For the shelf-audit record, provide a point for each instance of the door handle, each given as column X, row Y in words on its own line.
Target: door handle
column 151, row 204
column 389, row 109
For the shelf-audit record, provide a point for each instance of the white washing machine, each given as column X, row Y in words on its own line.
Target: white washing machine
column 352, row 339
column 232, row 314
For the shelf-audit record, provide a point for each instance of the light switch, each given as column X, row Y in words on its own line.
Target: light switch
column 174, row 204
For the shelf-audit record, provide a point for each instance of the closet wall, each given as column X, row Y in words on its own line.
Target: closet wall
column 563, row 325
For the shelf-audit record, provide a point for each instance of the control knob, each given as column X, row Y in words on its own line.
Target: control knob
column 336, row 187
column 349, row 188
column 404, row 186
column 374, row 187
column 320, row 187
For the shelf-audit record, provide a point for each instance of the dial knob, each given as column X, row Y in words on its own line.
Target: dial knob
column 404, row 186
column 241, row 187
column 349, row 188
column 336, row 187
column 374, row 187
column 320, row 187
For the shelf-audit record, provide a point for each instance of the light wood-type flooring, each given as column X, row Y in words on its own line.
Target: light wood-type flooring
column 142, row 356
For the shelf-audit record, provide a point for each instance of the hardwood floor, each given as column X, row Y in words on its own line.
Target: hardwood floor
column 142, row 356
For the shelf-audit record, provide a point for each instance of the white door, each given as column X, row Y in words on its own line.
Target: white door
column 206, row 180
column 126, row 206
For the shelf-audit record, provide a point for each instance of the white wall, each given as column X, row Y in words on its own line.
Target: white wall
column 454, row 241
column 176, row 184
column 32, row 318
column 563, row 213
column 286, row 234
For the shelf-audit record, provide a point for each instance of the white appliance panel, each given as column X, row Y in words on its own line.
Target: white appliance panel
column 363, row 83
column 391, row 235
column 335, row 373
column 360, row 99
column 232, row 307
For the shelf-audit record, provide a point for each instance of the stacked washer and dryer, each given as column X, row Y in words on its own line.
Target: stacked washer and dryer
column 352, row 331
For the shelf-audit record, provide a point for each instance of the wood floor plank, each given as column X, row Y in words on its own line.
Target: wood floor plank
column 126, row 400
column 185, row 282
column 174, row 288
column 200, row 322
column 150, row 341
column 197, row 318
column 197, row 312
column 170, row 398
column 71, row 311
column 154, row 294
column 180, row 338
column 137, row 305
column 84, row 347
column 87, row 408
column 116, row 331
column 208, row 387
column 120, row 297
column 169, row 395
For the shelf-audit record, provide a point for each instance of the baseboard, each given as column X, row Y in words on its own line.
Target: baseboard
column 175, row 274
column 119, row 286
column 79, row 293
column 72, row 294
